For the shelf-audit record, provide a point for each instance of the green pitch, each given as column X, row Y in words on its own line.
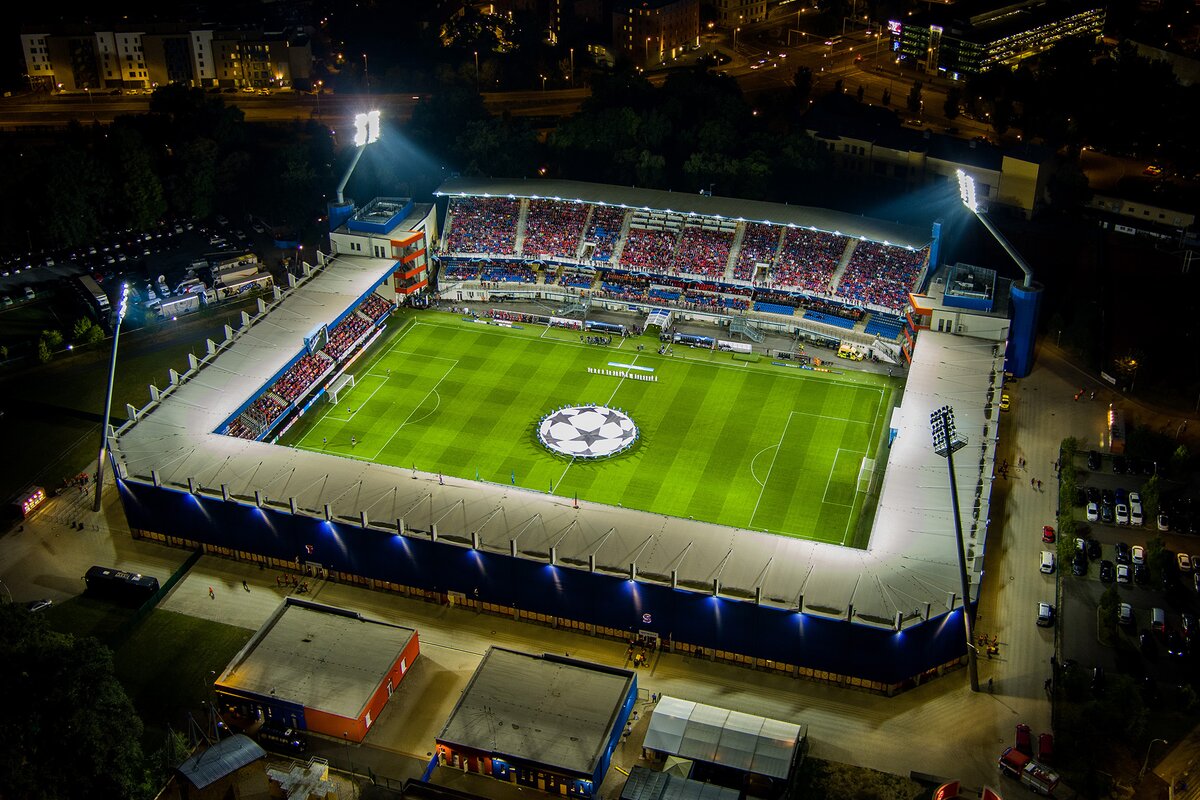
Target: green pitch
column 744, row 445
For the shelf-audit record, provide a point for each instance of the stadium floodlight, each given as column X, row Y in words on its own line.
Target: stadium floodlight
column 366, row 128
column 945, row 443
column 970, row 198
column 122, row 309
column 366, row 131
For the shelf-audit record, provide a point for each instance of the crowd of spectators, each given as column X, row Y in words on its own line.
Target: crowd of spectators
column 649, row 250
column 458, row 271
column 303, row 374
column 808, row 260
column 554, row 228
column 262, row 412
column 703, row 252
column 881, row 275
column 374, row 307
column 624, row 287
column 501, row 272
column 239, row 430
column 805, row 302
column 343, row 337
column 483, row 225
column 759, row 245
column 577, row 280
column 604, row 230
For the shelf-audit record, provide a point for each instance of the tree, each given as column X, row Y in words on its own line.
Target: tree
column 52, row 338
column 67, row 728
column 953, row 98
column 3, row 352
column 914, row 97
column 43, row 351
column 1151, row 495
column 81, row 328
column 137, row 183
column 1108, row 608
column 1156, row 548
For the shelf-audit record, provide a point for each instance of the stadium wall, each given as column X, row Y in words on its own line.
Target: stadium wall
column 691, row 622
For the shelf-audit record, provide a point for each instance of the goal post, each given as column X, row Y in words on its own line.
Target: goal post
column 340, row 385
column 866, row 472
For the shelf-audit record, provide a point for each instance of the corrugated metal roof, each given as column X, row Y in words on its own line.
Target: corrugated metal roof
column 224, row 758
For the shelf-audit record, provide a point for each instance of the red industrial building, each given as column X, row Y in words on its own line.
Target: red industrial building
column 317, row 668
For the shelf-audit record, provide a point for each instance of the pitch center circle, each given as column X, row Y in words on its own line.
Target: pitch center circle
column 587, row 431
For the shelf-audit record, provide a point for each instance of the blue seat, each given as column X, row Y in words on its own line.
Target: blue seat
column 829, row 319
column 884, row 326
column 773, row 308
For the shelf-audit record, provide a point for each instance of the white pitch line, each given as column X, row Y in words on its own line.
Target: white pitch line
column 767, row 479
column 432, row 390
column 870, row 439
column 609, row 403
column 829, row 480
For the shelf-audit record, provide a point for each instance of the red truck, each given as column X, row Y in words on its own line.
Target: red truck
column 1038, row 777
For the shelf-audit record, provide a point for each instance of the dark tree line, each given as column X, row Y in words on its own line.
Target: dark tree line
column 191, row 155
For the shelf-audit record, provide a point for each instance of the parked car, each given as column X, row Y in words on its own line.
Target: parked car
column 1123, row 554
column 39, row 605
column 1164, row 521
column 1048, row 534
column 1045, row 617
column 1141, row 575
column 1106, row 514
column 1093, row 549
column 1184, row 562
column 1119, row 465
column 1093, row 461
column 1124, row 574
column 1047, row 561
column 1079, row 564
column 1107, row 571
column 1122, row 514
column 1125, row 614
column 1137, row 555
column 1093, row 512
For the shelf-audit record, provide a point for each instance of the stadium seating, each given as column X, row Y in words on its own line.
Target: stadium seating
column 881, row 275
column 829, row 319
column 578, row 280
column 604, row 229
column 499, row 272
column 649, row 250
column 702, row 252
column 884, row 326
column 344, row 336
column 759, row 243
column 774, row 308
column 554, row 228
column 808, row 260
column 300, row 377
column 482, row 225
column 374, row 307
column 460, row 272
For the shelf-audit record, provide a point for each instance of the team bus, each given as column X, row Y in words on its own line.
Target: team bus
column 123, row 587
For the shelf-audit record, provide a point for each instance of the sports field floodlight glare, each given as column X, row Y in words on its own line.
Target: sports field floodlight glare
column 970, row 199
column 945, row 443
column 366, row 128
column 122, row 309
column 966, row 190
column 366, row 131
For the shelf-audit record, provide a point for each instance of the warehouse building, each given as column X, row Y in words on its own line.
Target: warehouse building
column 543, row 722
column 317, row 668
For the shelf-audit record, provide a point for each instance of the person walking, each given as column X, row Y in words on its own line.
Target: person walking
column 245, row 586
column 211, row 594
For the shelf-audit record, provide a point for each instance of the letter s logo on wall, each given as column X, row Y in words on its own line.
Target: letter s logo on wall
column 647, row 619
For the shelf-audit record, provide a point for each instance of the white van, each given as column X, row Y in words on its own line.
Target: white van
column 1158, row 620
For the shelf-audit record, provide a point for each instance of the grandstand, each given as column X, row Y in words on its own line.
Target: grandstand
column 779, row 602
column 815, row 256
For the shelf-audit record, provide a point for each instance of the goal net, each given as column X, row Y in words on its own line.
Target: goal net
column 866, row 472
column 339, row 387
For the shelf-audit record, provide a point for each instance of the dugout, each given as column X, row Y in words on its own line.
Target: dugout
column 317, row 668
column 543, row 722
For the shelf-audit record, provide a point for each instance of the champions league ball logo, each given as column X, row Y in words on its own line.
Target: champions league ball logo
column 587, row 431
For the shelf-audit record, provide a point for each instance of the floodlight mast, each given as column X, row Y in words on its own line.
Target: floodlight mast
column 945, row 442
column 122, row 307
column 966, row 191
column 366, row 131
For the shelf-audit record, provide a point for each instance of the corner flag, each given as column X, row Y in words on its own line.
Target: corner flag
column 513, row 478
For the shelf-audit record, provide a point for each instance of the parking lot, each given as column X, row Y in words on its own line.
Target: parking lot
column 1137, row 649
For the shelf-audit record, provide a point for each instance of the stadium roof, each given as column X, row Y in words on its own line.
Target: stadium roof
column 743, row 742
column 318, row 656
column 557, row 712
column 686, row 202
column 910, row 566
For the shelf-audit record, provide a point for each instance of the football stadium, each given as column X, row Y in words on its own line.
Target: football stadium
column 601, row 408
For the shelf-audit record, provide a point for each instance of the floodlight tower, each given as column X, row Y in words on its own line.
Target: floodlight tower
column 945, row 443
column 1026, row 297
column 366, row 131
column 122, row 307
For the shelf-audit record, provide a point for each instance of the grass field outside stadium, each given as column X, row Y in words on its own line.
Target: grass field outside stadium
column 745, row 445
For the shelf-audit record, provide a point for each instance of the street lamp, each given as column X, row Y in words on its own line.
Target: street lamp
column 572, row 66
column 477, row 70
column 320, row 88
column 122, row 307
column 945, row 443
column 367, row 73
column 1146, row 761
column 967, row 193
